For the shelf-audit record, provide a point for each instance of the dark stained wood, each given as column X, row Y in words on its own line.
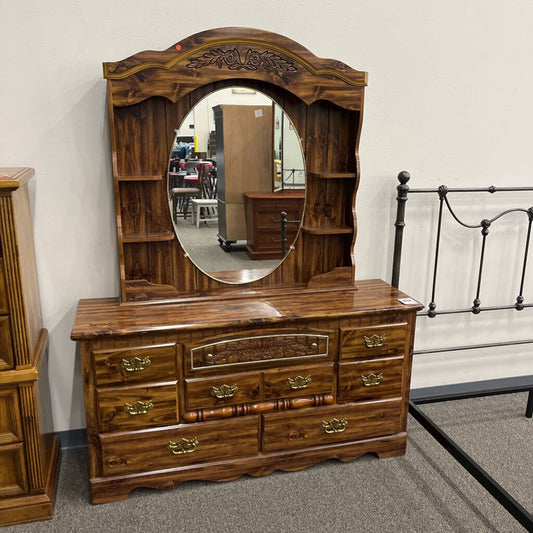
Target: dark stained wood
column 28, row 460
column 106, row 317
column 387, row 374
column 358, row 421
column 258, row 407
column 137, row 407
column 376, row 341
column 218, row 54
column 216, row 441
column 106, row 489
column 189, row 378
column 150, row 93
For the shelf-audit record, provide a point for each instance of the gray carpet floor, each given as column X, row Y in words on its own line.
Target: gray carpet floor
column 423, row 491
column 203, row 248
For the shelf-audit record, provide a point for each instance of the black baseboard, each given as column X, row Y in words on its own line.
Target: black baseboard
column 73, row 438
column 472, row 389
column 77, row 438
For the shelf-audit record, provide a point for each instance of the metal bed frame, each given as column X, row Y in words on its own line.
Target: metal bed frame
column 506, row 386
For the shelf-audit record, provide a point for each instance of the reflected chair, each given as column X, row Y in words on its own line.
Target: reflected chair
column 180, row 199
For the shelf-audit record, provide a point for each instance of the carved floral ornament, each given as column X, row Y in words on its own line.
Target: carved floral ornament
column 253, row 60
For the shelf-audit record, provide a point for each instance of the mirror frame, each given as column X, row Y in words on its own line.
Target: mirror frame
column 151, row 92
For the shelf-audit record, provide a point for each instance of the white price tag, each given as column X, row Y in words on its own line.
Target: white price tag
column 407, row 301
column 258, row 113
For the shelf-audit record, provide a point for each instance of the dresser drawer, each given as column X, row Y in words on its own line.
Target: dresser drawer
column 374, row 341
column 227, row 389
column 10, row 423
column 13, row 477
column 271, row 238
column 134, row 365
column 258, row 347
column 137, row 407
column 377, row 379
column 289, row 382
column 329, row 425
column 180, row 446
column 268, row 212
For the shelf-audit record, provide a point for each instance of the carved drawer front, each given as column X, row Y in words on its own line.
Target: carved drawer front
column 227, row 389
column 329, row 425
column 374, row 341
column 135, row 365
column 294, row 381
column 137, row 407
column 258, row 347
column 13, row 478
column 377, row 379
column 10, row 423
column 180, row 446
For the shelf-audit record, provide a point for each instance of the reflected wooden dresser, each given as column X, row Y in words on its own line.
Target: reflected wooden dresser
column 263, row 222
column 28, row 458
column 258, row 384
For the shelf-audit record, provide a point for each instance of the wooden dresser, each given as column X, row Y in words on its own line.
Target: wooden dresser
column 257, row 385
column 190, row 377
column 28, row 458
column 263, row 229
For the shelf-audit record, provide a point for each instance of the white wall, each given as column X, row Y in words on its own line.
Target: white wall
column 449, row 99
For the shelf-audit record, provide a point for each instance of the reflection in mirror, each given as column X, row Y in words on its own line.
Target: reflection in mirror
column 236, row 164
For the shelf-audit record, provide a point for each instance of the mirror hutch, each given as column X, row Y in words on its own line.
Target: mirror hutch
column 188, row 377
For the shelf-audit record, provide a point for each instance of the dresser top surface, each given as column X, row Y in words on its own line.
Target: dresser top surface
column 106, row 316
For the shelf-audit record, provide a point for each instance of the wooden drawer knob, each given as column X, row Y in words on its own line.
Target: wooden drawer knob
column 334, row 425
column 224, row 392
column 375, row 341
column 136, row 364
column 372, row 380
column 138, row 408
column 299, row 382
column 183, row 446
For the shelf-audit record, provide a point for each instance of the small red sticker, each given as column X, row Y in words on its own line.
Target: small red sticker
column 178, row 47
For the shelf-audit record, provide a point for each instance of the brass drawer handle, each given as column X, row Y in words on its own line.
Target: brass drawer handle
column 138, row 408
column 372, row 380
column 136, row 364
column 334, row 425
column 183, row 446
column 209, row 358
column 314, row 346
column 299, row 382
column 224, row 391
column 375, row 341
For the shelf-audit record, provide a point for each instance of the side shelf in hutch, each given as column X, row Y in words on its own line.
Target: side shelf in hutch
column 29, row 458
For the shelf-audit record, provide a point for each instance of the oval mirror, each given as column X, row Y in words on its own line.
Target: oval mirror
column 236, row 165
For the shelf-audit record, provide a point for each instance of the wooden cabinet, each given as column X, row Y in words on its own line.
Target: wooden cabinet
column 28, row 457
column 212, row 380
column 169, row 399
column 263, row 221
column 243, row 163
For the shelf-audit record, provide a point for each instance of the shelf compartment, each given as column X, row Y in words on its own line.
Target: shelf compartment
column 148, row 237
column 333, row 175
column 139, row 178
column 327, row 230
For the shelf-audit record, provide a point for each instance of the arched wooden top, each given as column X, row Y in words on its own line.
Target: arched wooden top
column 234, row 53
